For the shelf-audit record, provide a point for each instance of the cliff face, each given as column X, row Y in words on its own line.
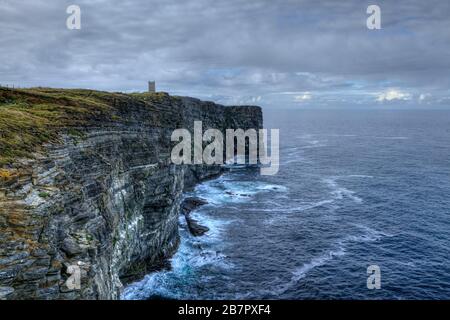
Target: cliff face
column 103, row 196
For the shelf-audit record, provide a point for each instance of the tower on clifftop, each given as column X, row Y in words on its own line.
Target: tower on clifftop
column 152, row 86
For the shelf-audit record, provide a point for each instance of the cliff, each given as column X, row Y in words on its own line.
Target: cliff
column 86, row 180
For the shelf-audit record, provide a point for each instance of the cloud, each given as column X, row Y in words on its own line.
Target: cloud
column 231, row 48
column 424, row 96
column 393, row 94
column 303, row 97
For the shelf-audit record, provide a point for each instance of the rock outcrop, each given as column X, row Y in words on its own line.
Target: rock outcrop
column 104, row 197
column 187, row 206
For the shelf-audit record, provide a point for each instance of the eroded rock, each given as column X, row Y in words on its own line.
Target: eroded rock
column 106, row 200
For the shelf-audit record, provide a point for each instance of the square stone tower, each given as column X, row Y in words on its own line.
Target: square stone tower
column 151, row 86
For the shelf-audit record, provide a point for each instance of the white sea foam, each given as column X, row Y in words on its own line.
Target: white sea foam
column 193, row 254
column 294, row 155
column 340, row 192
column 359, row 176
column 196, row 253
column 226, row 190
column 301, row 272
column 392, row 138
column 311, row 142
column 314, row 144
column 374, row 234
column 297, row 208
column 341, row 135
column 339, row 250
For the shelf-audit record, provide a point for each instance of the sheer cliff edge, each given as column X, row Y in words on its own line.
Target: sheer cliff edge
column 86, row 180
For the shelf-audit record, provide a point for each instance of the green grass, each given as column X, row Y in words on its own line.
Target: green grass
column 155, row 97
column 44, row 194
column 30, row 118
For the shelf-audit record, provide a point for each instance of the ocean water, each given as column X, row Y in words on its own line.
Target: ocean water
column 355, row 188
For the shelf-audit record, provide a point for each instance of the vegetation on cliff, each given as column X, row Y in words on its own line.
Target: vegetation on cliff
column 29, row 118
column 102, row 194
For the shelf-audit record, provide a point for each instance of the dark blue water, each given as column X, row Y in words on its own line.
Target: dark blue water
column 355, row 188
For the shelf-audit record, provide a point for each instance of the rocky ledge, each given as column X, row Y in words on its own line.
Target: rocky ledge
column 86, row 182
column 188, row 205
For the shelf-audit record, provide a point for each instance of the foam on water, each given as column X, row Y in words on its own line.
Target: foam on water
column 197, row 253
column 293, row 155
column 335, row 215
column 193, row 254
column 392, row 138
column 341, row 192
column 337, row 251
column 228, row 190
column 337, row 193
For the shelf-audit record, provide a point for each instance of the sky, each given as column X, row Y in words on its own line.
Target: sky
column 273, row 53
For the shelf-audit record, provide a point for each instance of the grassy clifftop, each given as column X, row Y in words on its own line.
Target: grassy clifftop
column 31, row 117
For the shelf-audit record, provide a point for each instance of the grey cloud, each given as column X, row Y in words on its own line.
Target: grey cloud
column 231, row 50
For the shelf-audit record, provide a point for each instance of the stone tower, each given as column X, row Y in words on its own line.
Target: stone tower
column 151, row 86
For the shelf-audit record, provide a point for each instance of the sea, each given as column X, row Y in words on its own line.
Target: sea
column 355, row 189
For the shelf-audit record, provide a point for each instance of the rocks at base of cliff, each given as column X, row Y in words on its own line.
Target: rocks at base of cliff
column 195, row 228
column 192, row 203
column 105, row 195
column 188, row 205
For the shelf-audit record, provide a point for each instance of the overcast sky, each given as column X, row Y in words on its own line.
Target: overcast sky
column 274, row 53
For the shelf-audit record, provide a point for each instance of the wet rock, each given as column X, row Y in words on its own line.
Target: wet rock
column 192, row 203
column 189, row 205
column 195, row 228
